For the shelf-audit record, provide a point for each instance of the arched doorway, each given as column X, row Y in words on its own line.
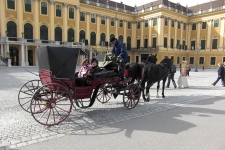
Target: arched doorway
column 14, row 56
column 44, row 34
column 93, row 38
column 82, row 35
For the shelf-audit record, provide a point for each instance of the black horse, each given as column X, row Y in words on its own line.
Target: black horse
column 136, row 68
column 155, row 73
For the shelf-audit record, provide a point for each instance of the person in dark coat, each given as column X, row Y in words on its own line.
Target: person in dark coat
column 120, row 51
column 221, row 74
column 171, row 77
column 95, row 68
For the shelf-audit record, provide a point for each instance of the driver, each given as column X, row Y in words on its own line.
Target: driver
column 120, row 51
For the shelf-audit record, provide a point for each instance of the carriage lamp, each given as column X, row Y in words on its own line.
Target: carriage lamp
column 6, row 33
column 22, row 34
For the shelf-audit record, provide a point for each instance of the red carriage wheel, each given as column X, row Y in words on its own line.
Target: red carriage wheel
column 104, row 93
column 131, row 96
column 51, row 104
column 26, row 93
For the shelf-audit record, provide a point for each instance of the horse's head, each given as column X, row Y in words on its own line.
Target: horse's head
column 152, row 59
column 167, row 62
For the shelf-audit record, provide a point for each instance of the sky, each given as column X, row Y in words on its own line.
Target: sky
column 182, row 2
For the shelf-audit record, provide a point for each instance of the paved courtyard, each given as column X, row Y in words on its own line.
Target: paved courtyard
column 18, row 128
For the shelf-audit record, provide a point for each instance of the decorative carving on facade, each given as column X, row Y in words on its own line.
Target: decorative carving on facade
column 175, row 20
column 52, row 2
column 181, row 22
column 134, row 22
column 71, row 26
column 28, row 20
column 77, row 7
column 125, row 20
column 11, row 18
column 210, row 20
column 65, row 5
column 98, row 15
column 58, row 25
column 35, row 0
column 88, row 13
column 199, row 22
column 108, row 17
column 221, row 18
column 117, row 19
column 142, row 20
column 169, row 18
column 44, row 22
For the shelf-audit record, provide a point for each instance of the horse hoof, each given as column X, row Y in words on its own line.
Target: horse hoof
column 163, row 96
column 147, row 100
column 157, row 96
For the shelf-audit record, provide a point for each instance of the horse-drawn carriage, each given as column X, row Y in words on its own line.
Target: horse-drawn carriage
column 51, row 98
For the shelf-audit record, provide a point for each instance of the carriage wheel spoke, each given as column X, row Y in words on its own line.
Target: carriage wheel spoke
column 58, row 113
column 29, row 89
column 61, row 108
column 48, row 116
column 43, row 114
column 53, row 115
column 60, row 100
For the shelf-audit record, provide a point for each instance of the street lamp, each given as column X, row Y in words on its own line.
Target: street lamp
column 197, row 51
column 22, row 34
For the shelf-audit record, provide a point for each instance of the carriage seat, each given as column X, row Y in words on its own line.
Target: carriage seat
column 105, row 73
column 113, row 67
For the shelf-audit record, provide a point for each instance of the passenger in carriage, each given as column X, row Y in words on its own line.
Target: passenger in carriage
column 85, row 69
column 95, row 69
column 120, row 51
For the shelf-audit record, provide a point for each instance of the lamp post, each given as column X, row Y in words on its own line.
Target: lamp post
column 22, row 34
column 6, row 33
column 197, row 51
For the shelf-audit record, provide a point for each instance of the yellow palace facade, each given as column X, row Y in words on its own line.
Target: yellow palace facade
column 194, row 34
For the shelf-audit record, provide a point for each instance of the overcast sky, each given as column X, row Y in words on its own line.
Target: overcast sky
column 182, row 2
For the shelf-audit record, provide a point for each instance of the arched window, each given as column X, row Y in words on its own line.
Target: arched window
column 12, row 30
column 128, row 43
column 121, row 38
column 70, row 35
column 93, row 38
column 111, row 35
column 82, row 35
column 58, row 34
column 28, row 31
column 44, row 33
column 102, row 39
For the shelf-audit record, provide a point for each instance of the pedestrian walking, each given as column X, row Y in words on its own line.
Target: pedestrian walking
column 171, row 77
column 221, row 74
column 222, row 81
column 203, row 68
column 188, row 69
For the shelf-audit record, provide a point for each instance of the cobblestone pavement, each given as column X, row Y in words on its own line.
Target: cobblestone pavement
column 18, row 128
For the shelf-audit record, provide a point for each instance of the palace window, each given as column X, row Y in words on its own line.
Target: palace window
column 178, row 44
column 213, row 61
column 165, row 42
column 93, row 38
column 194, row 26
column 92, row 18
column 183, row 46
column 138, row 44
column 171, row 43
column 146, row 43
column 103, row 20
column 216, row 23
column 71, row 13
column 121, row 23
column 204, row 25
column 191, row 60
column 202, row 44
column 121, row 38
column 28, row 5
column 184, row 26
column 43, row 8
column 214, row 44
column 178, row 60
column 82, row 16
column 154, row 21
column 183, row 58
column 70, row 35
column 178, row 25
column 137, row 59
column 154, row 43
column 11, row 4
column 172, row 23
column 112, row 21
column 138, row 25
column 44, row 33
column 166, row 21
column 201, row 60
column 58, row 10
column 128, row 43
column 192, row 45
column 128, row 25
column 146, row 23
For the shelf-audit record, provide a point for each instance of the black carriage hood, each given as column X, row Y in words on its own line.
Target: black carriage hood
column 61, row 61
